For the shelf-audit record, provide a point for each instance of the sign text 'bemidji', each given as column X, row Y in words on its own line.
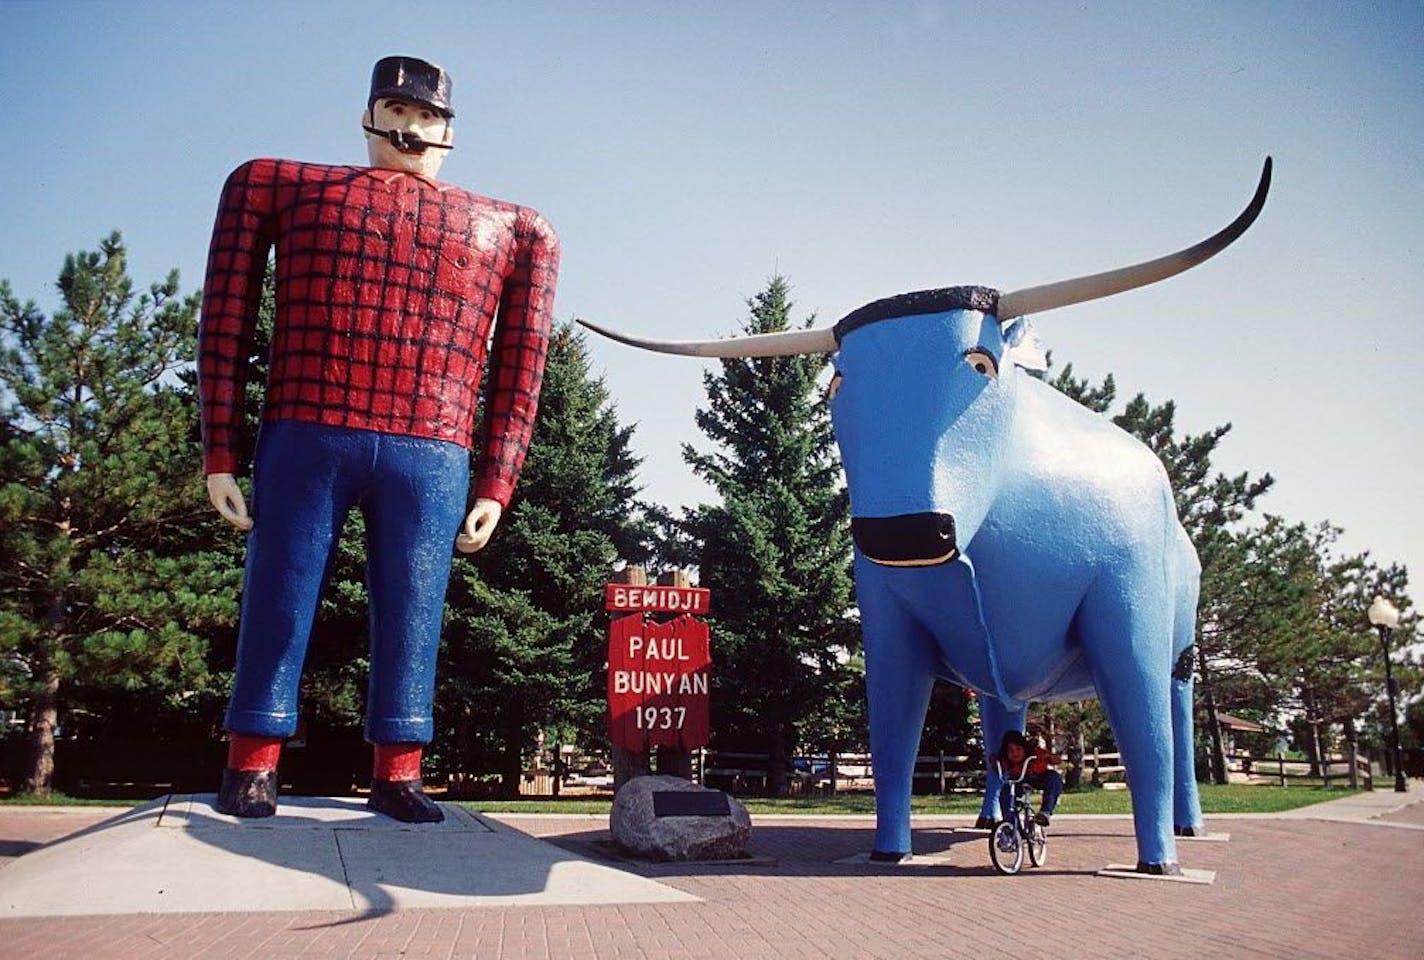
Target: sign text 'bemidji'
column 659, row 599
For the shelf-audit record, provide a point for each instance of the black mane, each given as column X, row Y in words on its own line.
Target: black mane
column 983, row 299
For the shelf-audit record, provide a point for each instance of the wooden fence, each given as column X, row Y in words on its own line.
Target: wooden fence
column 1354, row 768
column 1099, row 766
column 828, row 773
column 946, row 773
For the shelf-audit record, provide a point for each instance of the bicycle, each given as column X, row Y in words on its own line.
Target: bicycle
column 1010, row 838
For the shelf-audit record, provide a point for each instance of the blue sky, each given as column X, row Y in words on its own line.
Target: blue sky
column 688, row 152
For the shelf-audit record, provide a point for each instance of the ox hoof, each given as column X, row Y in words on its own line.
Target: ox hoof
column 984, row 823
column 880, row 856
column 1172, row 869
column 404, row 800
column 247, row 793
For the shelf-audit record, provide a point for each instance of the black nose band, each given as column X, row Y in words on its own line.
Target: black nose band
column 405, row 142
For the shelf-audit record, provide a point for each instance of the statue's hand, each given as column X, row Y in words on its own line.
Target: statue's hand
column 226, row 496
column 479, row 526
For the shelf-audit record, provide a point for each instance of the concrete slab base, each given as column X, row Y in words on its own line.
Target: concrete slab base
column 179, row 855
column 1206, row 838
column 916, row 860
column 1128, row 871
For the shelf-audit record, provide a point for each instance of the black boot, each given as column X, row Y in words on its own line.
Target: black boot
column 247, row 793
column 404, row 800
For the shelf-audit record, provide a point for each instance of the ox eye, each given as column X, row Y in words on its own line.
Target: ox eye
column 983, row 362
column 834, row 387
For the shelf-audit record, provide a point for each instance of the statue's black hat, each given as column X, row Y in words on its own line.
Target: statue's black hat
column 411, row 78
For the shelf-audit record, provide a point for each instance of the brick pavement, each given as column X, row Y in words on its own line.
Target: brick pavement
column 22, row 829
column 1295, row 888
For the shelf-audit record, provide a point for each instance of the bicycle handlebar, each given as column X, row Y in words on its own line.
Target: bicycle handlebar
column 998, row 765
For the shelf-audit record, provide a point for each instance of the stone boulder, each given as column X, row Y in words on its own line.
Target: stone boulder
column 668, row 818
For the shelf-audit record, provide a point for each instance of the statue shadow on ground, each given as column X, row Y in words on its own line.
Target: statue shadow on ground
column 178, row 854
column 802, row 850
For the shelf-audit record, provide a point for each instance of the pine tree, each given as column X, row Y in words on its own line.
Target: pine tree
column 524, row 642
column 1337, row 669
column 98, row 497
column 776, row 551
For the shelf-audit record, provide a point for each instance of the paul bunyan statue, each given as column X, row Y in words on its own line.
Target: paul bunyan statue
column 388, row 285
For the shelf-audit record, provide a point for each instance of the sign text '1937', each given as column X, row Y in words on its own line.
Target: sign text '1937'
column 660, row 718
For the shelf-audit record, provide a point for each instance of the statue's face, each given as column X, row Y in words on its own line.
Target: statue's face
column 410, row 118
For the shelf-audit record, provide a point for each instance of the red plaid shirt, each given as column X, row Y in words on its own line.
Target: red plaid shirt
column 387, row 286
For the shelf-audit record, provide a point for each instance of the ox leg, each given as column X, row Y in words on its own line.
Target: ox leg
column 995, row 719
column 1126, row 635
column 1186, row 805
column 900, row 660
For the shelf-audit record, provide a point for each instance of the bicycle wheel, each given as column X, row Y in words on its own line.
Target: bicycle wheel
column 1005, row 849
column 1037, row 844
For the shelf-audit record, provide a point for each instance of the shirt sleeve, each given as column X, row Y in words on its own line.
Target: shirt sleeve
column 521, row 341
column 243, row 233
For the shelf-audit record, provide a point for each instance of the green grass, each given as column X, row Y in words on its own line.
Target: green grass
column 1233, row 798
column 57, row 799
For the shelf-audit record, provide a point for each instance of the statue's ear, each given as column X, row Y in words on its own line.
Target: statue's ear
column 1024, row 347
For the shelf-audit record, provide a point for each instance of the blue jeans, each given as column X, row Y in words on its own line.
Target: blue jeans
column 412, row 493
column 1050, row 782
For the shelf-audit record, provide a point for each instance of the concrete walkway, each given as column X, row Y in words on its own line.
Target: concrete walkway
column 1336, row 880
column 1379, row 807
column 179, row 855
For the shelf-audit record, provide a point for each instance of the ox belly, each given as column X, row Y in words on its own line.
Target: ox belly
column 1028, row 601
column 940, row 614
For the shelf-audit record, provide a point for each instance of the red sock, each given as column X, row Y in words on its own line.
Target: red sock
column 397, row 761
column 253, row 753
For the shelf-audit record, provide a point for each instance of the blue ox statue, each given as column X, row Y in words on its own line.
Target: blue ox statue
column 1007, row 538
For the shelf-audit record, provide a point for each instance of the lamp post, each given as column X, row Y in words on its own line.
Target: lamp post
column 1385, row 617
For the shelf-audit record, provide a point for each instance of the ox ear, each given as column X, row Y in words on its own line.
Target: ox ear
column 1024, row 347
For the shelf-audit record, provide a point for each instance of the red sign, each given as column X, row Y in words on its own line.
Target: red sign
column 621, row 596
column 658, row 675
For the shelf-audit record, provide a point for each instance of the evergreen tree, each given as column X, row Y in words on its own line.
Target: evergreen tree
column 1260, row 599
column 1098, row 399
column 1336, row 669
column 776, row 551
column 525, row 641
column 98, row 497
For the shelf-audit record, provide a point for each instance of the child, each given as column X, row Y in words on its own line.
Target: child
column 1014, row 751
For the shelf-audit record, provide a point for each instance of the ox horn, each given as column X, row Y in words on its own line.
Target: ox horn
column 1038, row 299
column 1010, row 305
column 784, row 344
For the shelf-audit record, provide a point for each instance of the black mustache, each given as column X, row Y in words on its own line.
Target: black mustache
column 405, row 141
